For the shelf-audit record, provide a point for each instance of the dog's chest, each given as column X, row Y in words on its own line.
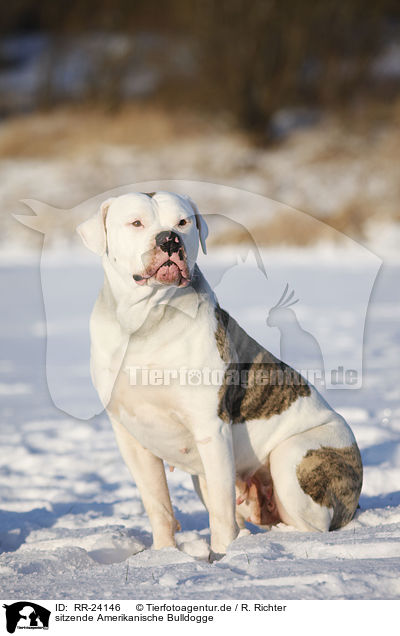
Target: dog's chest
column 160, row 419
column 164, row 432
column 163, row 386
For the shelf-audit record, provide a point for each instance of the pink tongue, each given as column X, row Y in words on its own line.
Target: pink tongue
column 168, row 274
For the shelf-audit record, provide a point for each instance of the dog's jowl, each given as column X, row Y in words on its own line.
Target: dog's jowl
column 260, row 443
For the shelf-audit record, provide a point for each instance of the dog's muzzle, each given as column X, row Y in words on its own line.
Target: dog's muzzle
column 168, row 264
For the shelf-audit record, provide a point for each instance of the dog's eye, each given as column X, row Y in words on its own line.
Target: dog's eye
column 182, row 222
column 137, row 224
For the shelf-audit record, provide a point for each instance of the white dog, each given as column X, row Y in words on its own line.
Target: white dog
column 260, row 443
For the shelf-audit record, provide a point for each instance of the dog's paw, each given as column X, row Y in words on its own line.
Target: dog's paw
column 215, row 556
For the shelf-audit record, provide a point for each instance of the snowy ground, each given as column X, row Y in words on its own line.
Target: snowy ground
column 71, row 520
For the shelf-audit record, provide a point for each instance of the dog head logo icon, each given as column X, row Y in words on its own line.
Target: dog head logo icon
column 25, row 614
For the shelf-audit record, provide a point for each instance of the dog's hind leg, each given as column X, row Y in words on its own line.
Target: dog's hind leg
column 149, row 474
column 200, row 487
column 317, row 477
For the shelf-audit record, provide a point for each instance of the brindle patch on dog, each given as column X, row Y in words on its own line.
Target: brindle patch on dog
column 256, row 384
column 333, row 478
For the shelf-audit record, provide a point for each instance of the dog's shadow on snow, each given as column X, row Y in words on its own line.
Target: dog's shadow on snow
column 376, row 455
column 15, row 527
column 379, row 453
column 391, row 499
column 199, row 522
column 189, row 521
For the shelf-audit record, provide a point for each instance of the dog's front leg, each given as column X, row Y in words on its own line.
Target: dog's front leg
column 149, row 474
column 216, row 451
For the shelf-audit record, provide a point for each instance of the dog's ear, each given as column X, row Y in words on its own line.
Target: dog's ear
column 200, row 223
column 93, row 231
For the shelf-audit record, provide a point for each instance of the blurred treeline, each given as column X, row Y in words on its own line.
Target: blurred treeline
column 245, row 60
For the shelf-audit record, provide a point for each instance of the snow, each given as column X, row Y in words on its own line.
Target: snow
column 72, row 523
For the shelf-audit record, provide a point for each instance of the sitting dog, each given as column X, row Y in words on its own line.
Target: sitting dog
column 260, row 442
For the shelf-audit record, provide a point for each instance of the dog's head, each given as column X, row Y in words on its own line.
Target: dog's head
column 150, row 239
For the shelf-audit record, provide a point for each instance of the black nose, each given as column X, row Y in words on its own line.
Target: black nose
column 168, row 241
